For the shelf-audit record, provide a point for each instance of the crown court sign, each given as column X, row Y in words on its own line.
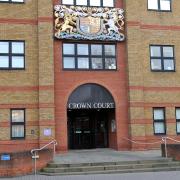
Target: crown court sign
column 96, row 105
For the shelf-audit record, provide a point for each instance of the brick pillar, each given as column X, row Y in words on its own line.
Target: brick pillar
column 122, row 104
column 61, row 91
column 46, row 72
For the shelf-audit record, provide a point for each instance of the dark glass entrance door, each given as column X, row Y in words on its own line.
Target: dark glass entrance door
column 87, row 129
column 101, row 130
column 82, row 135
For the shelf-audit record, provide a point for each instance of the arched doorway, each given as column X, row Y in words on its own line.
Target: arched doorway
column 91, row 114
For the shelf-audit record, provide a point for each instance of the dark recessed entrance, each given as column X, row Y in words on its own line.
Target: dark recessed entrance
column 88, row 128
column 91, row 109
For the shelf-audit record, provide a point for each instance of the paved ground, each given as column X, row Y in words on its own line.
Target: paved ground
column 105, row 155
column 132, row 176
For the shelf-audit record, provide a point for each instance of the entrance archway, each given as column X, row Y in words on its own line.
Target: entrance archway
column 91, row 117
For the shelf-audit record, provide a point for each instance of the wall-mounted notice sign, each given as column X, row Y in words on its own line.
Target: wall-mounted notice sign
column 47, row 132
column 113, row 125
column 5, row 157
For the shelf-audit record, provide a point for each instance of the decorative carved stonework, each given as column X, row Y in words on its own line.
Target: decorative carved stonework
column 89, row 23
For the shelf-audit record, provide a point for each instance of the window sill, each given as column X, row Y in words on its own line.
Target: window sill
column 96, row 70
column 158, row 10
column 159, row 134
column 18, row 138
column 89, row 6
column 11, row 69
column 163, row 70
column 12, row 2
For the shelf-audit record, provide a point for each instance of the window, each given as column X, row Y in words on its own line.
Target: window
column 178, row 120
column 162, row 58
column 159, row 121
column 17, row 123
column 12, row 55
column 102, row 3
column 12, row 1
column 89, row 56
column 159, row 5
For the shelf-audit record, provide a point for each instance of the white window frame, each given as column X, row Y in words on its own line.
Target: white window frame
column 88, row 3
column 18, row 123
column 163, row 59
column 159, row 121
column 177, row 120
column 13, row 55
column 158, row 7
column 109, row 59
column 12, row 1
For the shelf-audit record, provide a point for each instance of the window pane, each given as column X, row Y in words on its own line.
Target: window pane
column 108, row 3
column 83, row 63
column 82, row 49
column 4, row 47
column 95, row 3
column 67, row 2
column 17, row 62
column 17, row 115
column 178, row 127
column 177, row 113
column 97, row 63
column 165, row 5
column 155, row 51
column 68, row 49
column 110, row 63
column 159, row 128
column 168, row 64
column 110, row 50
column 17, row 131
column 96, row 49
column 156, row 64
column 168, row 51
column 158, row 114
column 81, row 2
column 18, row 47
column 152, row 4
column 4, row 61
column 69, row 62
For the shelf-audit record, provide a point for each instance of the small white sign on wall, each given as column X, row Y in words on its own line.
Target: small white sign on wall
column 113, row 125
column 47, row 132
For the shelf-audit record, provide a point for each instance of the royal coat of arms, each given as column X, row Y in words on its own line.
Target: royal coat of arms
column 89, row 23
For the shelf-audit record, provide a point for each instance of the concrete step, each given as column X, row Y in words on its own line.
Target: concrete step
column 56, row 165
column 154, row 169
column 106, row 167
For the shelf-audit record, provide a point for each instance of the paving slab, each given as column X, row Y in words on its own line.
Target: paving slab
column 132, row 176
column 105, row 155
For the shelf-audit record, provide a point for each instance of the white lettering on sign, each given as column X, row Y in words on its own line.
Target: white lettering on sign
column 91, row 105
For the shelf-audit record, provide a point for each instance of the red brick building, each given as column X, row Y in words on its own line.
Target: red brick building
column 88, row 73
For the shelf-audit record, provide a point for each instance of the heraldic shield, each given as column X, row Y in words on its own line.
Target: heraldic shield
column 82, row 23
column 89, row 25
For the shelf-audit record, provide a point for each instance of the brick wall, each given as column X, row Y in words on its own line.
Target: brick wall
column 19, row 88
column 172, row 151
column 32, row 88
column 21, row 163
column 151, row 89
column 43, row 87
column 115, row 82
